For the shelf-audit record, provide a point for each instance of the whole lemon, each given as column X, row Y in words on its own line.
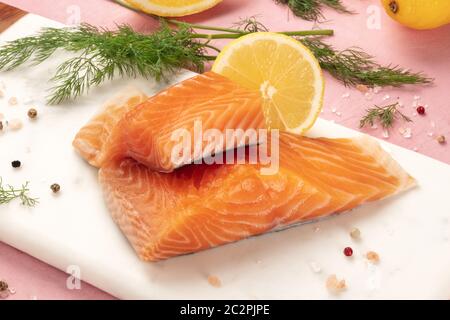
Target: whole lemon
column 419, row 14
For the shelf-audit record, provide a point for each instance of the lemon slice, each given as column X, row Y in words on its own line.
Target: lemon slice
column 171, row 8
column 286, row 73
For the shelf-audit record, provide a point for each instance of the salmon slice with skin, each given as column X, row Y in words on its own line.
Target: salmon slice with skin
column 197, row 207
column 146, row 132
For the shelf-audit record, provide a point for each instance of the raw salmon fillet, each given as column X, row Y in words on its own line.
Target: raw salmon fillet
column 145, row 132
column 202, row 206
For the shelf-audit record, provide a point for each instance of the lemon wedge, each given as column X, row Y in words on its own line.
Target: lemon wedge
column 285, row 72
column 171, row 8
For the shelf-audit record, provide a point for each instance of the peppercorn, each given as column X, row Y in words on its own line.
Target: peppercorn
column 32, row 113
column 441, row 139
column 421, row 110
column 55, row 187
column 16, row 164
column 3, row 286
column 348, row 252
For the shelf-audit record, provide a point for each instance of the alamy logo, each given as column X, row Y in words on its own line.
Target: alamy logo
column 213, row 146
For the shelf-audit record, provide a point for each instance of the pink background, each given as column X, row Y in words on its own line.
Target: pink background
column 427, row 51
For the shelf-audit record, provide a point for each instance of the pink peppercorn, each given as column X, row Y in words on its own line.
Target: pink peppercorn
column 348, row 252
column 421, row 110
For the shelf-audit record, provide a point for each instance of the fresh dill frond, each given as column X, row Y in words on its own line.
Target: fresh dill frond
column 9, row 193
column 311, row 10
column 104, row 54
column 353, row 66
column 385, row 115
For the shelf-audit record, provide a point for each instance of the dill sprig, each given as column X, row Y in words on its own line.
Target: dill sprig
column 103, row 54
column 9, row 193
column 385, row 115
column 311, row 10
column 353, row 66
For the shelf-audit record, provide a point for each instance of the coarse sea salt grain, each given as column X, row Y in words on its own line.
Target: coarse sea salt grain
column 416, row 97
column 385, row 133
column 376, row 90
column 416, row 149
column 15, row 124
column 338, row 114
column 386, row 97
column 430, row 134
column 374, row 126
column 346, row 95
column 13, row 101
column 407, row 134
column 333, row 110
column 369, row 96
column 28, row 100
column 315, row 267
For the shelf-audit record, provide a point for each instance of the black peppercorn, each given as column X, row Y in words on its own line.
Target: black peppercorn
column 16, row 164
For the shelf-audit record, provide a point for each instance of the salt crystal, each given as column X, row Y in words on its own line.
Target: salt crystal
column 333, row 110
column 315, row 267
column 374, row 126
column 414, row 114
column 362, row 88
column 12, row 291
column 316, row 229
column 430, row 134
column 334, row 285
column 214, row 281
column 28, row 100
column 338, row 114
column 416, row 97
column 369, row 96
column 376, row 90
column 346, row 95
column 401, row 130
column 385, row 133
column 15, row 124
column 12, row 101
column 400, row 104
column 407, row 134
column 416, row 149
column 386, row 97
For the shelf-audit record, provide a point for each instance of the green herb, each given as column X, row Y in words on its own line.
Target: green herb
column 9, row 193
column 385, row 115
column 312, row 9
column 353, row 66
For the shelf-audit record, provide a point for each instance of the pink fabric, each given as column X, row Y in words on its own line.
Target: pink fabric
column 427, row 51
